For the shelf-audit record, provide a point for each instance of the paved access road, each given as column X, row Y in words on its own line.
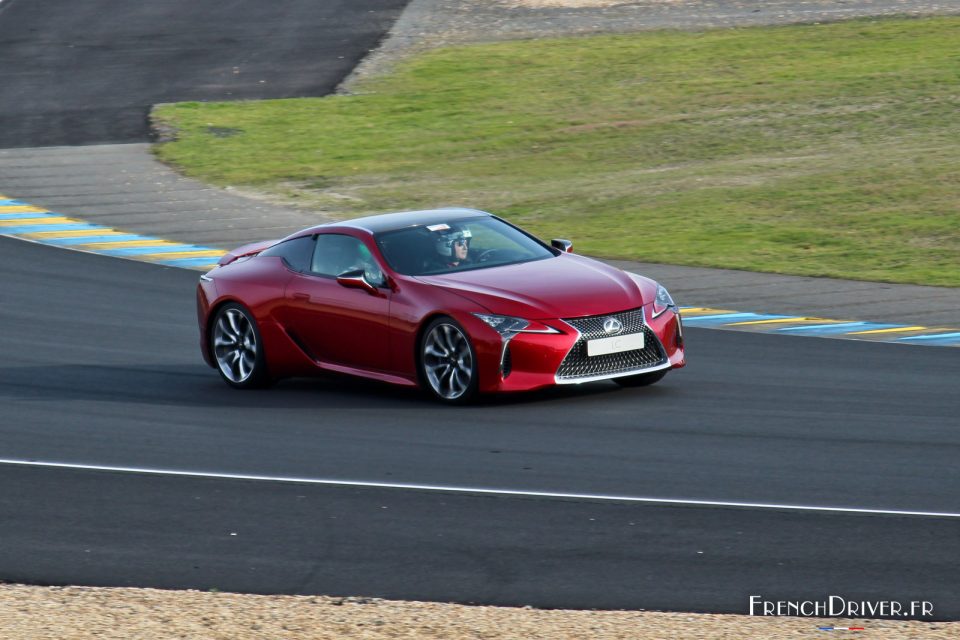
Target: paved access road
column 100, row 367
column 88, row 72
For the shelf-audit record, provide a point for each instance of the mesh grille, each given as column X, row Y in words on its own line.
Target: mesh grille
column 578, row 364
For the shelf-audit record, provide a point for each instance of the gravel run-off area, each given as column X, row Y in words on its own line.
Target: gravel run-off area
column 67, row 613
column 80, row 613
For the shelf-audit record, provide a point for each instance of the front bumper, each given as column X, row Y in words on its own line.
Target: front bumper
column 535, row 360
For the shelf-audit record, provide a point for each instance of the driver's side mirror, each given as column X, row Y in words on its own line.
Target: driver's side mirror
column 356, row 280
column 564, row 245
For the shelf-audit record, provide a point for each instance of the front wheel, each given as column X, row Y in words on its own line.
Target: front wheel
column 448, row 362
column 237, row 348
column 642, row 379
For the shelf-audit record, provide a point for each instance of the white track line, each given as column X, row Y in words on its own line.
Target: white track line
column 473, row 490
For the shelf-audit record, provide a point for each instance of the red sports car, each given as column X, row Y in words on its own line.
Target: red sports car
column 456, row 301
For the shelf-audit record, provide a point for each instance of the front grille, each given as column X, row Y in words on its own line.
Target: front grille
column 578, row 364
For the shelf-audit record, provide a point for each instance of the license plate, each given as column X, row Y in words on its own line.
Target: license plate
column 615, row 344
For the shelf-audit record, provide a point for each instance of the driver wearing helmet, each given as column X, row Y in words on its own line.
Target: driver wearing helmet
column 364, row 261
column 453, row 247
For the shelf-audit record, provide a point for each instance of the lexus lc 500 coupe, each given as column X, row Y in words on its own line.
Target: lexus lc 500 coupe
column 456, row 301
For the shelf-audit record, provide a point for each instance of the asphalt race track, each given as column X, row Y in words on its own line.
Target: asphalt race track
column 88, row 72
column 100, row 367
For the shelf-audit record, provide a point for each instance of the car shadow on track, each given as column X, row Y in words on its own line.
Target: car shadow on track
column 367, row 390
column 197, row 386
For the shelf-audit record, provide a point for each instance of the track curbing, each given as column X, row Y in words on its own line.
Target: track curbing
column 22, row 220
column 820, row 327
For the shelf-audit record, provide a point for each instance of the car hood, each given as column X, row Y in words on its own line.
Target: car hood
column 566, row 286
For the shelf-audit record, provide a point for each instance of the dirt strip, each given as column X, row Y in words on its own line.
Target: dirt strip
column 567, row 4
column 79, row 613
column 570, row 4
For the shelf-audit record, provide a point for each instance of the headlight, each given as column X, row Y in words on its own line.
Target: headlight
column 508, row 326
column 663, row 301
column 504, row 324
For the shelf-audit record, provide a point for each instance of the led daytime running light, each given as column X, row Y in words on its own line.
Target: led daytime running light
column 663, row 301
column 508, row 326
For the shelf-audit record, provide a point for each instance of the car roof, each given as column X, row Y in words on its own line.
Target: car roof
column 405, row 219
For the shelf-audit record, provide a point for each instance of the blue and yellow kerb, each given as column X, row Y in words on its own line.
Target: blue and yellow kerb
column 820, row 327
column 22, row 220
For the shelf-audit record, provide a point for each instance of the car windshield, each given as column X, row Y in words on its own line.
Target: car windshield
column 458, row 245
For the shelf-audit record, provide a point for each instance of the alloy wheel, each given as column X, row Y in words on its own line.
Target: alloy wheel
column 447, row 361
column 235, row 345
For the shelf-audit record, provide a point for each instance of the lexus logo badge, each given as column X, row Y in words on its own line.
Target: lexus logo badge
column 612, row 325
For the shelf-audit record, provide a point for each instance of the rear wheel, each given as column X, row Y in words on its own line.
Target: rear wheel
column 448, row 363
column 237, row 348
column 641, row 380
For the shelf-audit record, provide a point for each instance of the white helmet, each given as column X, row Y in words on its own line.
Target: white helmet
column 445, row 242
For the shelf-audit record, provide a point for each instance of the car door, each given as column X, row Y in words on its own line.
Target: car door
column 337, row 324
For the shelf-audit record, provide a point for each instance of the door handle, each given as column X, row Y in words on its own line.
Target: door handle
column 301, row 296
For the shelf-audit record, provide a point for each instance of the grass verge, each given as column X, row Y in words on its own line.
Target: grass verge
column 826, row 150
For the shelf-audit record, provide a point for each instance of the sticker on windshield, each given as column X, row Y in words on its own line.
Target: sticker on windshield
column 438, row 227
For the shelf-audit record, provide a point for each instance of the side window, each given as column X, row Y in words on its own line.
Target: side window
column 296, row 253
column 335, row 254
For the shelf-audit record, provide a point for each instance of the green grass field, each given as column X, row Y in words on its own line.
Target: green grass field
column 829, row 150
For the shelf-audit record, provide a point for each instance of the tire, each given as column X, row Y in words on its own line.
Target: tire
column 642, row 379
column 237, row 348
column 447, row 362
